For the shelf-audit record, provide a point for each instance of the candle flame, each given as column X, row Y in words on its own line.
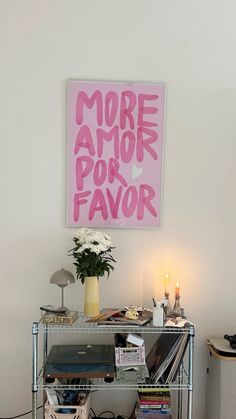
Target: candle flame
column 177, row 284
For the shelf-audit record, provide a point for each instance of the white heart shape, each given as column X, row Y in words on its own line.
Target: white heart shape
column 136, row 171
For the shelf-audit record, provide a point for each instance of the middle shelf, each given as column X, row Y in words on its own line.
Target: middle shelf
column 99, row 384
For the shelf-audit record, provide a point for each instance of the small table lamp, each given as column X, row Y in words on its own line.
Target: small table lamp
column 62, row 278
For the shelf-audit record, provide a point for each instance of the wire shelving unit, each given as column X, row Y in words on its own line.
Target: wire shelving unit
column 183, row 382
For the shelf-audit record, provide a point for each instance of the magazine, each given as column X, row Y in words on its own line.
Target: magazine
column 119, row 319
column 167, row 351
column 173, row 368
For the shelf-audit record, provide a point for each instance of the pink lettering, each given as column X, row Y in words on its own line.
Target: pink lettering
column 148, row 110
column 111, row 106
column 126, row 109
column 113, row 172
column 100, row 172
column 83, row 99
column 145, row 143
column 114, row 203
column 130, row 201
column 84, row 139
column 84, row 166
column 107, row 136
column 79, row 199
column 146, row 194
column 127, row 152
column 98, row 204
column 127, row 201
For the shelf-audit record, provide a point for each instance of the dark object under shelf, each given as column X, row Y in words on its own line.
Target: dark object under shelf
column 87, row 361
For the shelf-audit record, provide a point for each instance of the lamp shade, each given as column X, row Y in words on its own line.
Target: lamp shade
column 62, row 278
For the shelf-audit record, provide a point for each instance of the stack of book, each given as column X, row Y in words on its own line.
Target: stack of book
column 153, row 405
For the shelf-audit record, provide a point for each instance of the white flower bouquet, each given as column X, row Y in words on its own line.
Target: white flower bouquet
column 92, row 253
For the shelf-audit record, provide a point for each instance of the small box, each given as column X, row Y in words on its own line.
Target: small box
column 130, row 356
column 131, row 374
column 135, row 340
column 67, row 318
column 78, row 412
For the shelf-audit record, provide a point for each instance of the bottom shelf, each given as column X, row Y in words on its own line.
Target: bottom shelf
column 160, row 407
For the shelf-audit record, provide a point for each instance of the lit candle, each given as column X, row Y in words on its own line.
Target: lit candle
column 177, row 295
column 166, row 282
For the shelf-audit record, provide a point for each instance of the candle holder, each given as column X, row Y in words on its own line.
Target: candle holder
column 176, row 309
column 167, row 308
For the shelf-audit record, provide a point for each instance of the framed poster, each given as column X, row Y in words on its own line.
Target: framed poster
column 115, row 143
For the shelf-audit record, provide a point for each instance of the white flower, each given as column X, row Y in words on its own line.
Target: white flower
column 96, row 241
column 83, row 235
column 101, row 238
column 96, row 248
column 91, row 253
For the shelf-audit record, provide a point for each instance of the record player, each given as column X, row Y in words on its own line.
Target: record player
column 82, row 361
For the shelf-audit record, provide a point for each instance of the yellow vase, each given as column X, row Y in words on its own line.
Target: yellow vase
column 91, row 296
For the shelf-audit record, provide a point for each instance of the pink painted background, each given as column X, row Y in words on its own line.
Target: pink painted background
column 114, row 180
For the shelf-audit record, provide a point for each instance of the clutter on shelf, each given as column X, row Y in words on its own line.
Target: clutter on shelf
column 130, row 358
column 66, row 404
column 118, row 317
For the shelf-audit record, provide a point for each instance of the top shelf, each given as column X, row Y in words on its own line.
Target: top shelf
column 82, row 326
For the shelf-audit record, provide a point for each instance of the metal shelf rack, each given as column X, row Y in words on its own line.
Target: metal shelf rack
column 184, row 381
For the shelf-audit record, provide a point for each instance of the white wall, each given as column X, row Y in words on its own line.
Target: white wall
column 191, row 46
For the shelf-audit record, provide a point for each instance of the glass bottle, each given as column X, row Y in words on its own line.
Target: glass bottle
column 176, row 309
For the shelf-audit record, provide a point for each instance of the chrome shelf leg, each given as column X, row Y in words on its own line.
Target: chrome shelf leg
column 190, row 391
column 35, row 332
